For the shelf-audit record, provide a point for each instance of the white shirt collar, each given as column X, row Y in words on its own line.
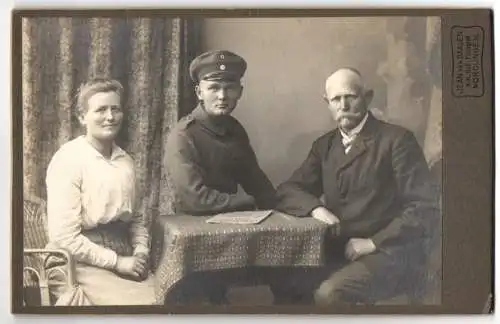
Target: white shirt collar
column 356, row 130
column 116, row 153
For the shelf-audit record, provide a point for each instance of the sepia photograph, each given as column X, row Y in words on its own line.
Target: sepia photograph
column 222, row 161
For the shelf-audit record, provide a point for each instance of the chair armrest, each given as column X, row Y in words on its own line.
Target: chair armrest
column 38, row 264
column 44, row 255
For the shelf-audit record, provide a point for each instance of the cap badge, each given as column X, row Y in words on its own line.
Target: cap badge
column 222, row 67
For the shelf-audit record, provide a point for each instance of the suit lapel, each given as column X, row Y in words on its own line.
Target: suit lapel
column 358, row 148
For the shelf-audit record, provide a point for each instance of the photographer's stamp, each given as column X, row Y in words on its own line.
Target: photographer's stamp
column 467, row 48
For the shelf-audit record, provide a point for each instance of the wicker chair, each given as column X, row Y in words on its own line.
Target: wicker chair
column 36, row 257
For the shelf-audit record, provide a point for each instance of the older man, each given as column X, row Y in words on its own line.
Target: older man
column 209, row 158
column 378, row 195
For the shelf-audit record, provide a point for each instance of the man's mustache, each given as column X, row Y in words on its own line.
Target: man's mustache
column 347, row 115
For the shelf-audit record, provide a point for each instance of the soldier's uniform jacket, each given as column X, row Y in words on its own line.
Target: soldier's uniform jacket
column 381, row 189
column 206, row 161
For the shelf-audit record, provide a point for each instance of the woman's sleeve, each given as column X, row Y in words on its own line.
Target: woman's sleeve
column 139, row 233
column 64, row 205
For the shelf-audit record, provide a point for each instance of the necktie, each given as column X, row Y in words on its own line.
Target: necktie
column 347, row 142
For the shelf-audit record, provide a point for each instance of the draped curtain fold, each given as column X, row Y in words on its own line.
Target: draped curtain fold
column 433, row 134
column 149, row 56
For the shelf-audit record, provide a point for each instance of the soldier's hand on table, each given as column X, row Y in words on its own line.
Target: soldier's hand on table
column 244, row 199
column 357, row 247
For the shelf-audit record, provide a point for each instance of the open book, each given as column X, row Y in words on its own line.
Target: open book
column 240, row 217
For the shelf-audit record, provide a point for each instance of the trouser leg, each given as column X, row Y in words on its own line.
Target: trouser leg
column 217, row 289
column 198, row 288
column 367, row 280
column 294, row 285
column 283, row 284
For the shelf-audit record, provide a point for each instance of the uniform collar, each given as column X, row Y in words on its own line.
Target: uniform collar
column 218, row 125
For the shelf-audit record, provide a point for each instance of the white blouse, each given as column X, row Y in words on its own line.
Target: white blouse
column 84, row 189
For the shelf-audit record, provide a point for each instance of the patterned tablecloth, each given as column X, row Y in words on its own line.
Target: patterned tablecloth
column 192, row 245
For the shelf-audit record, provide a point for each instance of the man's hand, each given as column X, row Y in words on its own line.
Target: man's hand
column 324, row 215
column 131, row 266
column 357, row 247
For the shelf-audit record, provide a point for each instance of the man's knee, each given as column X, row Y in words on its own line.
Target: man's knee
column 347, row 285
column 329, row 292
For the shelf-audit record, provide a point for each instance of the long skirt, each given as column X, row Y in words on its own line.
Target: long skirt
column 98, row 286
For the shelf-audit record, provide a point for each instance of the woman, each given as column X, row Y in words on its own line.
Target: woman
column 90, row 205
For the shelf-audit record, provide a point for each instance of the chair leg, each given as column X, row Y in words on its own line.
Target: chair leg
column 44, row 293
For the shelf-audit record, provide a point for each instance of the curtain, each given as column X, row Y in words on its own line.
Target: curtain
column 433, row 135
column 149, row 56
column 411, row 67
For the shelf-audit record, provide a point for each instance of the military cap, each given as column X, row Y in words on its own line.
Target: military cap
column 217, row 65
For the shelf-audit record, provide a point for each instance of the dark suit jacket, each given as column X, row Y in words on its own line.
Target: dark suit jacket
column 382, row 189
column 206, row 161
